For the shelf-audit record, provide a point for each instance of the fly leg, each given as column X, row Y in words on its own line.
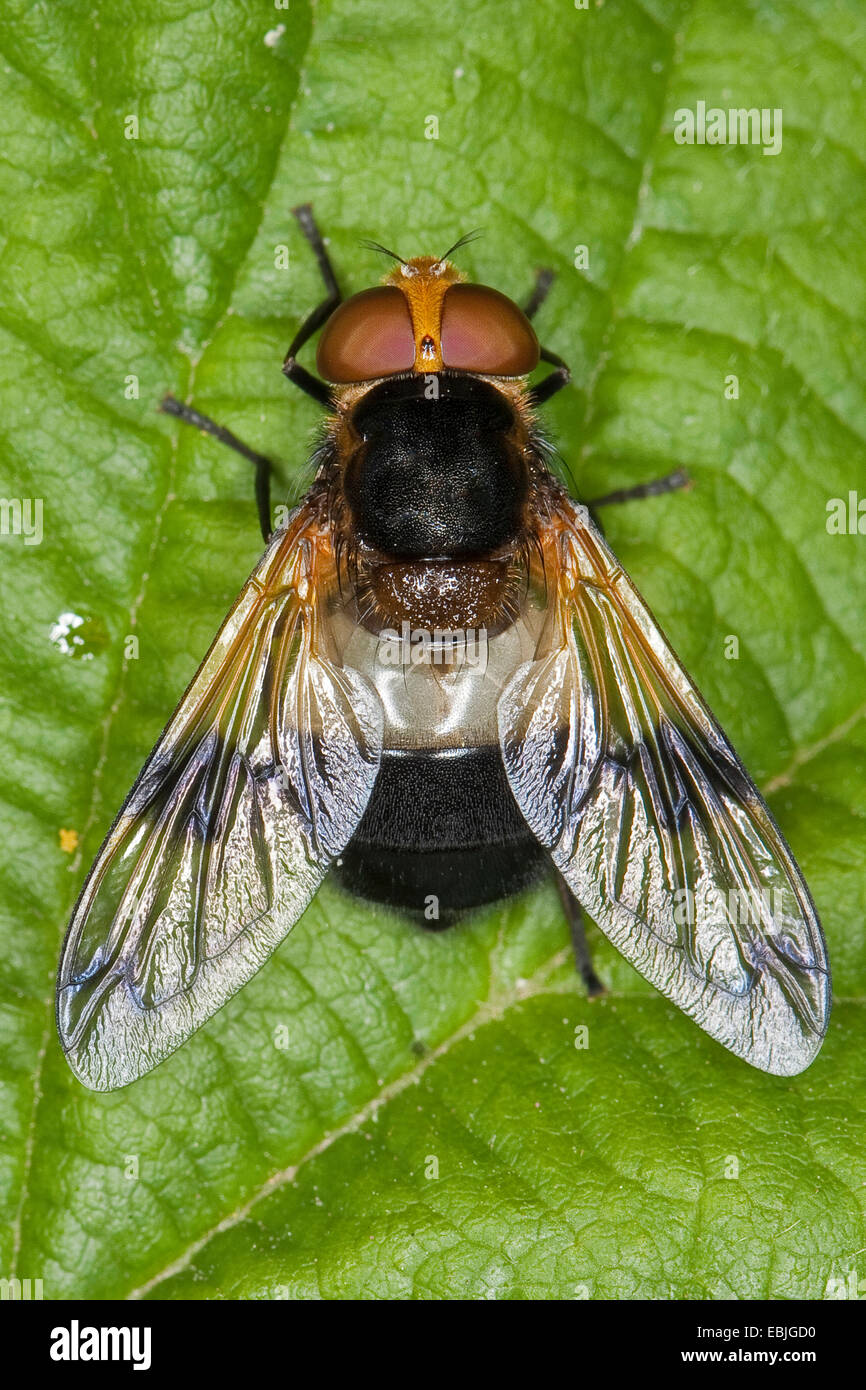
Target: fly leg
column 558, row 378
column 263, row 466
column 582, row 957
column 307, row 382
column 561, row 374
column 313, row 386
column 540, row 290
column 657, row 487
column 554, row 381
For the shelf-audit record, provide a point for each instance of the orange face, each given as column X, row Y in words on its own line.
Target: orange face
column 423, row 319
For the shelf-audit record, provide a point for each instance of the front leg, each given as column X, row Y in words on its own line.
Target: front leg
column 313, row 385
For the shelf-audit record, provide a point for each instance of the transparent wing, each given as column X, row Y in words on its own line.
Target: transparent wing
column 623, row 774
column 254, row 787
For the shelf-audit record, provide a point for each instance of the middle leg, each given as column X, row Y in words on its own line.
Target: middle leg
column 657, row 487
column 263, row 466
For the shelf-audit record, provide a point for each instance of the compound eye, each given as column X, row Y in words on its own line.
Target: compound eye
column 369, row 335
column 484, row 331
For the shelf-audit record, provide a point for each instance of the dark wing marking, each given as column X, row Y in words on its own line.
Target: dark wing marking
column 622, row 773
column 257, row 783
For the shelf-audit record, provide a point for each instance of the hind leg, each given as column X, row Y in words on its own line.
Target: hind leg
column 582, row 957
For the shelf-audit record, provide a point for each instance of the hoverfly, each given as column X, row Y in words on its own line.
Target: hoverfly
column 315, row 737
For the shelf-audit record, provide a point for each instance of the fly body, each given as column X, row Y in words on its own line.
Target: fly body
column 439, row 684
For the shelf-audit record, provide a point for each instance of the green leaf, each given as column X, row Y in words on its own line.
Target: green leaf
column 382, row 1112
